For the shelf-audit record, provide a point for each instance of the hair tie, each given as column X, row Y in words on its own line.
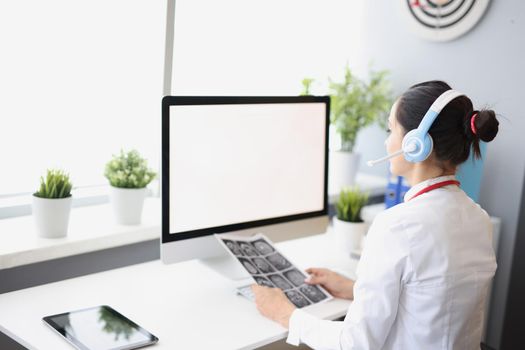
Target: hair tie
column 472, row 126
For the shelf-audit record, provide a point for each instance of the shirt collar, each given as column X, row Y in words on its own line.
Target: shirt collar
column 418, row 187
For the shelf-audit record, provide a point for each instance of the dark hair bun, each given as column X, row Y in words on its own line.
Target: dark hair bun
column 486, row 125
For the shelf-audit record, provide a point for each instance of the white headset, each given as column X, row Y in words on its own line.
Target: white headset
column 417, row 143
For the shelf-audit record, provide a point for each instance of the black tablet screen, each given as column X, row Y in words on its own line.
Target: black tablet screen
column 100, row 328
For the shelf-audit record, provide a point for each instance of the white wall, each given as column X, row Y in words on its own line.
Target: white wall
column 487, row 64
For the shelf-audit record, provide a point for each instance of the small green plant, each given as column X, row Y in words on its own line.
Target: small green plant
column 129, row 170
column 307, row 85
column 55, row 185
column 349, row 205
column 355, row 104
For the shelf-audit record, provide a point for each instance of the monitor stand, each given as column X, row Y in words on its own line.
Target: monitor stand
column 209, row 252
column 227, row 266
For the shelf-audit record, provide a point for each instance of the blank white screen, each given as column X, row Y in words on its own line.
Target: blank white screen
column 237, row 163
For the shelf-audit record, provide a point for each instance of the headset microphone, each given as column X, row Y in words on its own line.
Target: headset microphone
column 417, row 143
column 395, row 154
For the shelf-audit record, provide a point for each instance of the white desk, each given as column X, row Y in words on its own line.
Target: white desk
column 186, row 305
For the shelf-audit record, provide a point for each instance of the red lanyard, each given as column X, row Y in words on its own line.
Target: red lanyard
column 434, row 186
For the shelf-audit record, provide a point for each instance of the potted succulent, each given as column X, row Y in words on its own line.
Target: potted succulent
column 128, row 175
column 52, row 204
column 354, row 104
column 349, row 228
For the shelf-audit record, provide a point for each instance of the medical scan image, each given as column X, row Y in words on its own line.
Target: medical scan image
column 263, row 281
column 249, row 266
column 297, row 298
column 263, row 265
column 278, row 261
column 233, row 246
column 248, row 249
column 294, row 276
column 263, row 247
column 280, row 282
column 313, row 293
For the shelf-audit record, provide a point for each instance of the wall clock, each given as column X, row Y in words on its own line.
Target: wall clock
column 442, row 20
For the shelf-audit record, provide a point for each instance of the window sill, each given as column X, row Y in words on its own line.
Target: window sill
column 92, row 228
column 20, row 205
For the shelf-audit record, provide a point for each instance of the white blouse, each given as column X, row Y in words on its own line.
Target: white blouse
column 421, row 282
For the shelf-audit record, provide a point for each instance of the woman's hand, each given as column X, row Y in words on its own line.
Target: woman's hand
column 273, row 303
column 337, row 285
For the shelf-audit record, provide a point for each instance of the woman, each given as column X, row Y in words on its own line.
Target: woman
column 422, row 279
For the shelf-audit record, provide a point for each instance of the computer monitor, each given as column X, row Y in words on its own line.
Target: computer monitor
column 241, row 165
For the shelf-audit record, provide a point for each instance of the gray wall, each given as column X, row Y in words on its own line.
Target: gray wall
column 487, row 64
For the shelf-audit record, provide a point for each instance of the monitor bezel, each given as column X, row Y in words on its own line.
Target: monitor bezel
column 168, row 101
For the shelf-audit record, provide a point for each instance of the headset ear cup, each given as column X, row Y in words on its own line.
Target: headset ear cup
column 411, row 138
column 427, row 147
column 423, row 146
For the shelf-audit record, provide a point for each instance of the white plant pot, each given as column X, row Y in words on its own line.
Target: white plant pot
column 51, row 216
column 349, row 235
column 343, row 169
column 127, row 204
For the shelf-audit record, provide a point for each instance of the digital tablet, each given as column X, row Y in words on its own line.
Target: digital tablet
column 100, row 328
